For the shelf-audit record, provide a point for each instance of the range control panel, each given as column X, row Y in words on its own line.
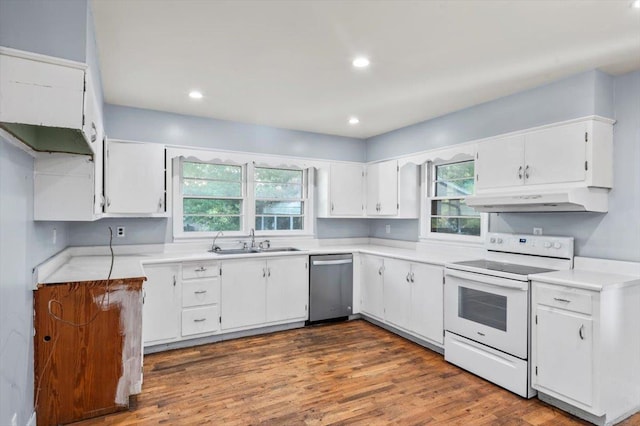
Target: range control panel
column 538, row 245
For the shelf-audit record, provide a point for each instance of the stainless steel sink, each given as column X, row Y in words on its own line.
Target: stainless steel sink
column 255, row 250
column 276, row 249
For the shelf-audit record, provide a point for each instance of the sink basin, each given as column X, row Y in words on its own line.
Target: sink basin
column 255, row 250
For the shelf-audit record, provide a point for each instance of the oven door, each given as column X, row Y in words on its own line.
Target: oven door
column 490, row 310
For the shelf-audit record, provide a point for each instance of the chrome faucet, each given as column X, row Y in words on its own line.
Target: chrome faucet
column 252, row 234
column 214, row 247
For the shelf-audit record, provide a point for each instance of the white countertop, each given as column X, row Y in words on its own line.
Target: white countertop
column 587, row 279
column 74, row 268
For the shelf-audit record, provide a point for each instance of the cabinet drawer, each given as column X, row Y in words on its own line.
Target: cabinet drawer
column 567, row 298
column 200, row 320
column 200, row 269
column 200, row 292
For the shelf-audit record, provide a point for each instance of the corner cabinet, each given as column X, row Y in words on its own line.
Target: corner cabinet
column 586, row 349
column 135, row 178
column 577, row 153
column 340, row 190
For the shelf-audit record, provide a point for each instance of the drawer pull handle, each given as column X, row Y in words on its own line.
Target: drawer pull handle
column 561, row 300
column 200, row 292
column 201, row 269
column 580, row 332
column 199, row 319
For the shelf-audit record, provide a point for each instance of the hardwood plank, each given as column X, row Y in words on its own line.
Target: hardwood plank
column 346, row 373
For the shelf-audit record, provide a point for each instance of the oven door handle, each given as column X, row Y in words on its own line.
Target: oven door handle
column 488, row 280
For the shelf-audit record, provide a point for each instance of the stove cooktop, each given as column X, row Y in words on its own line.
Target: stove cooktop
column 511, row 268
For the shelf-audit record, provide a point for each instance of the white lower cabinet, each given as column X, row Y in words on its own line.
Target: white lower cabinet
column 413, row 298
column 371, row 286
column 200, row 298
column 287, row 289
column 586, row 349
column 161, row 309
column 244, row 293
column 257, row 292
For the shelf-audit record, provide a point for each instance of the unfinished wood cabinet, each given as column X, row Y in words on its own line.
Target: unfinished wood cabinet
column 87, row 348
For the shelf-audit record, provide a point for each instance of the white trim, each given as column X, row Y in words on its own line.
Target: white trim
column 8, row 51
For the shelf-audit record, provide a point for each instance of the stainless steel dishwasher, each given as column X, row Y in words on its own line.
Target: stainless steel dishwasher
column 330, row 287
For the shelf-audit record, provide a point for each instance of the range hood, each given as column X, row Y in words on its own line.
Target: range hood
column 583, row 199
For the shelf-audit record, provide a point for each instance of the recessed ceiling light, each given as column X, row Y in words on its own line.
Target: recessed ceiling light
column 361, row 62
column 635, row 4
column 354, row 120
column 194, row 94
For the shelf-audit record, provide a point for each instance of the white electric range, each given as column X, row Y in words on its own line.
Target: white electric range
column 487, row 305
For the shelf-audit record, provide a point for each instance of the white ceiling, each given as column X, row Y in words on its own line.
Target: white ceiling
column 288, row 63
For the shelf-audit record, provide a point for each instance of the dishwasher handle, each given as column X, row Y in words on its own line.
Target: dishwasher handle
column 332, row 262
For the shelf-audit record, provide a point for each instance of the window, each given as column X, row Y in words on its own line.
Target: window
column 279, row 197
column 211, row 197
column 450, row 184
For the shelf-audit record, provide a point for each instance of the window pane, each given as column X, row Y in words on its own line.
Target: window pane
column 278, row 190
column 209, row 207
column 212, row 171
column 455, row 171
column 210, row 223
column 279, row 207
column 451, row 207
column 454, row 188
column 265, row 223
column 455, row 225
column 278, row 175
column 211, row 188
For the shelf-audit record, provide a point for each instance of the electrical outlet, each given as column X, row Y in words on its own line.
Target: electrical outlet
column 387, row 229
column 120, row 231
column 537, row 231
column 54, row 238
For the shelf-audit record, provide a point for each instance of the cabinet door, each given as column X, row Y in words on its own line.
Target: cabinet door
column 373, row 188
column 388, row 188
column 346, row 187
column 397, row 292
column 287, row 288
column 371, row 290
column 500, row 163
column 162, row 304
column 243, row 297
column 563, row 350
column 135, row 177
column 427, row 301
column 556, row 155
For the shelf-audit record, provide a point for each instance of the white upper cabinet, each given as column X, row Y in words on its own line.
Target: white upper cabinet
column 571, row 154
column 135, row 178
column 47, row 102
column 382, row 188
column 341, row 190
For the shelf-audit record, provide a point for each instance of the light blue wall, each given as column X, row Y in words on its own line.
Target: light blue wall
column 342, row 228
column 23, row 244
column 175, row 129
column 577, row 96
column 616, row 234
column 50, row 27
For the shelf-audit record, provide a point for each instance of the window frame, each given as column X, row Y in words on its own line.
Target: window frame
column 303, row 199
column 248, row 199
column 427, row 195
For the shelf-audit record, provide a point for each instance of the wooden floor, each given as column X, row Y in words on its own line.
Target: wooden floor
column 345, row 373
